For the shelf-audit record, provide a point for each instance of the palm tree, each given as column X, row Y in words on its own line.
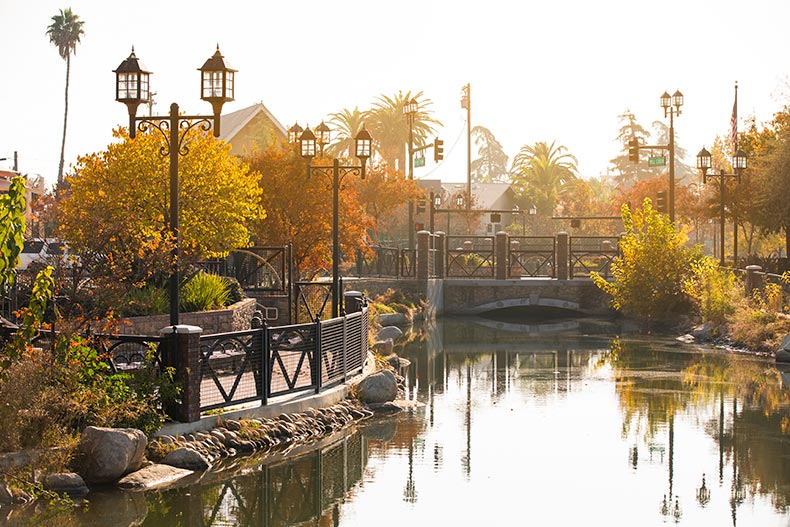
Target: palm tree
column 390, row 126
column 541, row 172
column 65, row 32
column 348, row 123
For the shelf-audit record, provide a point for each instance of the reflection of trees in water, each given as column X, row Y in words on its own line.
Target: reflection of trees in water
column 751, row 430
column 289, row 492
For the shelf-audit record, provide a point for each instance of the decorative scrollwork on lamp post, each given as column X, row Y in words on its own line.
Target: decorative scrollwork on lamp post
column 132, row 88
column 704, row 164
column 311, row 144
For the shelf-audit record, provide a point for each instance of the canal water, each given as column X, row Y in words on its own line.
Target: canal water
column 569, row 422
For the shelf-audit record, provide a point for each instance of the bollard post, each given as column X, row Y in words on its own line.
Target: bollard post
column 563, row 255
column 754, row 278
column 502, row 255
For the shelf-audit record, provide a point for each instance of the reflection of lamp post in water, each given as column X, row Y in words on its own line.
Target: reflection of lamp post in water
column 410, row 492
column 666, row 505
column 738, row 493
column 467, row 460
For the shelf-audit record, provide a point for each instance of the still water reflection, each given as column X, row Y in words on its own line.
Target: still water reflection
column 551, row 424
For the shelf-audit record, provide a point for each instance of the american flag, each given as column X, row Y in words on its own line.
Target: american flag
column 734, row 121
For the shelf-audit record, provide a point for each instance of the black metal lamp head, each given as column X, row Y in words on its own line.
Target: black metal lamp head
column 363, row 147
column 132, row 86
column 739, row 160
column 410, row 108
column 322, row 136
column 217, row 84
column 294, row 134
column 704, row 163
column 307, row 144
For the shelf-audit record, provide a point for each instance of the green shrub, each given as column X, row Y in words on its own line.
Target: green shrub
column 235, row 291
column 714, row 291
column 148, row 300
column 204, row 292
column 654, row 265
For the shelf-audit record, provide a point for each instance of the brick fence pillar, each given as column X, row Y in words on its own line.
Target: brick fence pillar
column 423, row 255
column 502, row 256
column 563, row 254
column 439, row 261
column 181, row 351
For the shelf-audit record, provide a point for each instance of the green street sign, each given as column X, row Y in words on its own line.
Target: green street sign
column 657, row 161
column 419, row 161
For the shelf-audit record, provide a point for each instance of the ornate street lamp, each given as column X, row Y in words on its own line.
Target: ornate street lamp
column 132, row 88
column 704, row 163
column 671, row 106
column 363, row 145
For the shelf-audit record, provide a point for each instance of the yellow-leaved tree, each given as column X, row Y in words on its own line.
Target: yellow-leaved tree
column 653, row 268
column 114, row 213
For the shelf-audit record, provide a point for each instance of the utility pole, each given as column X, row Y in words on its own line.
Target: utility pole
column 466, row 102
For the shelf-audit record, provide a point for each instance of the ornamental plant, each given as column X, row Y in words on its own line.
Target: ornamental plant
column 653, row 266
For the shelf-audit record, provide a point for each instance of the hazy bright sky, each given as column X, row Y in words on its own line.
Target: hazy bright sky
column 559, row 70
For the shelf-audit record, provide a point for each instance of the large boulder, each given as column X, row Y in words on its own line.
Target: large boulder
column 152, row 477
column 108, row 454
column 66, row 482
column 186, row 458
column 379, row 387
column 392, row 319
column 383, row 347
column 390, row 332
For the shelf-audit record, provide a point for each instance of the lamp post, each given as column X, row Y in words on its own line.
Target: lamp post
column 671, row 106
column 410, row 111
column 132, row 88
column 704, row 164
column 533, row 211
column 436, row 201
column 336, row 172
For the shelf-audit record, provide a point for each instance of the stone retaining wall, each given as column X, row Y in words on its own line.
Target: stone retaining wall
column 235, row 317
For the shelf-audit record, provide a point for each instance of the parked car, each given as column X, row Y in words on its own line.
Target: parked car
column 43, row 251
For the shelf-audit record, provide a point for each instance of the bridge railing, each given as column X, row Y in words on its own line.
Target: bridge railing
column 501, row 257
column 470, row 257
column 532, row 256
column 591, row 253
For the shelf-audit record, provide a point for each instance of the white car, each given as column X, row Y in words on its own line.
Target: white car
column 43, row 252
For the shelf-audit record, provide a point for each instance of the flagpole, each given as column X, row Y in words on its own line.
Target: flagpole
column 734, row 123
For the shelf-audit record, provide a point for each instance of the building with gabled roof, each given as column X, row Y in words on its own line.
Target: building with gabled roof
column 251, row 128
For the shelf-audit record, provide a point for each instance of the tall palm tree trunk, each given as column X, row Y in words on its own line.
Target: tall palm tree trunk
column 65, row 120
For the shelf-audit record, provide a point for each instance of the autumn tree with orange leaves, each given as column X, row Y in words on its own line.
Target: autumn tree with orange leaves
column 115, row 211
column 299, row 209
column 383, row 193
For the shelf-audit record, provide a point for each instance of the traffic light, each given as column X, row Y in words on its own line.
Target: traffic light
column 421, row 205
column 438, row 150
column 419, row 226
column 661, row 201
column 633, row 150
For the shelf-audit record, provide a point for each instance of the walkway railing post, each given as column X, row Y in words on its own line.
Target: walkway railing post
column 502, row 257
column 316, row 366
column 563, row 255
column 182, row 352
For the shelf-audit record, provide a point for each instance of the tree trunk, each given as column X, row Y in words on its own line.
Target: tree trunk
column 65, row 118
column 787, row 241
